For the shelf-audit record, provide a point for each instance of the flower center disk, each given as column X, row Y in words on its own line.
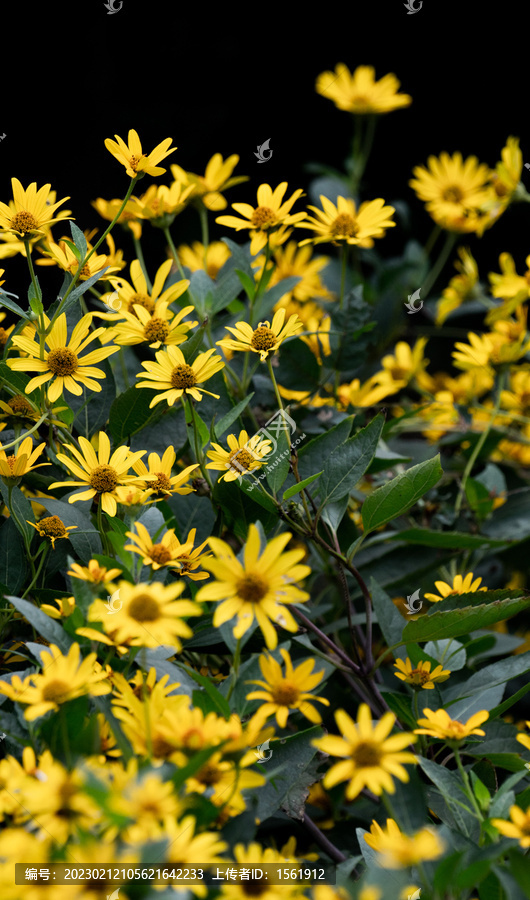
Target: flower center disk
column 159, row 554
column 53, row 526
column 263, row 217
column 285, row 693
column 103, row 478
column 183, row 376
column 240, row 459
column 344, row 226
column 366, row 754
column 24, row 222
column 263, row 338
column 144, row 609
column 156, row 330
column 62, row 361
column 252, row 588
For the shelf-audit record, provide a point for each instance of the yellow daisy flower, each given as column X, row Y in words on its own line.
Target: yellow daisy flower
column 518, row 828
column 161, row 204
column 172, row 374
column 245, row 455
column 191, row 558
column 137, row 164
column 138, row 294
column 164, row 553
column 108, row 209
column 454, row 190
column 65, row 607
column 402, row 366
column 524, row 739
column 53, row 528
column 146, row 615
column 344, row 223
column 62, row 364
column 266, row 217
column 507, row 174
column 30, row 211
column 461, row 288
column 63, row 678
column 160, row 327
column 283, row 692
column 439, row 725
column 460, row 585
column 296, row 261
column 211, row 258
column 420, row 676
column 259, row 587
column 158, row 477
column 370, row 757
column 94, row 573
column 367, row 394
column 62, row 255
column 101, row 474
column 15, row 466
column 397, row 850
column 359, row 93
column 264, row 339
column 217, row 178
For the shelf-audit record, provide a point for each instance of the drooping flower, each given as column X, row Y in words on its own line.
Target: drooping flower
column 461, row 288
column 18, row 464
column 217, row 178
column 62, row 365
column 158, row 475
column 261, row 587
column 370, row 758
column 455, row 190
column 132, row 157
column 359, row 93
column 53, row 528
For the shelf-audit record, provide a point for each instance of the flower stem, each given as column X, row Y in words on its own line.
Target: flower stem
column 235, row 669
column 439, row 264
column 480, row 443
column 467, row 785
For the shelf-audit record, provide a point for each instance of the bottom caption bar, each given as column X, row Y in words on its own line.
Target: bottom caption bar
column 266, row 873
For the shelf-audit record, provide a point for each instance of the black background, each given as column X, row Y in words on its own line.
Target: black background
column 228, row 78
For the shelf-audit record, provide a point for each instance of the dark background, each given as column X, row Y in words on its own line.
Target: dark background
column 228, row 78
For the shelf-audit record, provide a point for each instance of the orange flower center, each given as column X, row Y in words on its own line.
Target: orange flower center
column 156, row 330
column 55, row 691
column 420, row 676
column 144, row 609
column 453, row 194
column 240, row 459
column 134, row 160
column 20, row 405
column 159, row 554
column 366, row 754
column 285, row 693
column 24, row 222
column 252, row 588
column 344, row 226
column 3, row 337
column 104, row 478
column 263, row 217
column 183, row 377
column 263, row 338
column 52, row 526
column 162, row 485
column 62, row 361
column 141, row 300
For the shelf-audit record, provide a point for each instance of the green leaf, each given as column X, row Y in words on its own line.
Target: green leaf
column 311, row 453
column 103, row 704
column 91, row 412
column 47, row 627
column 296, row 488
column 130, row 412
column 450, row 654
column 455, row 622
column 277, row 469
column 79, row 239
column 214, row 694
column 479, row 499
column 287, row 765
column 298, row 366
column 193, row 344
column 349, row 461
column 230, row 417
column 448, row 540
column 450, row 786
column 397, row 497
column 21, row 511
column 12, row 306
column 82, row 288
column 13, row 561
column 389, row 618
column 265, row 304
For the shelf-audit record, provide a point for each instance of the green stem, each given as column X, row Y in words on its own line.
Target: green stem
column 480, row 443
column 439, row 264
column 343, row 269
column 198, row 453
column 203, row 215
column 431, row 240
column 235, row 669
column 44, row 554
column 467, row 785
column 90, row 253
column 26, row 434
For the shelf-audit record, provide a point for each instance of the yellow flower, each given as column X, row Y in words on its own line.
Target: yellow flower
column 359, row 93
column 518, row 828
column 172, row 374
column 524, row 739
column 94, row 573
column 421, row 676
column 146, row 615
column 285, row 692
column 217, row 178
column 253, row 856
column 211, row 258
column 30, row 211
column 439, row 725
column 108, row 210
column 63, row 678
column 507, row 174
column 53, row 528
column 65, row 607
column 264, row 339
column 260, row 587
column 454, row 190
column 160, row 327
column 62, row 364
column 165, row 552
column 266, row 217
column 367, row 394
column 344, row 223
column 397, row 850
column 138, row 294
column 371, row 757
column 460, row 585
column 245, row 455
column 158, row 477
column 62, row 255
column 161, row 204
column 102, row 474
column 15, row 466
column 290, row 261
column 191, row 558
column 403, row 365
column 137, row 164
column 461, row 288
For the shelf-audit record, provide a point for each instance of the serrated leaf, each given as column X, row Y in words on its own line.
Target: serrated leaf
column 448, row 540
column 400, row 494
column 349, row 461
column 230, row 417
column 455, row 622
column 296, row 488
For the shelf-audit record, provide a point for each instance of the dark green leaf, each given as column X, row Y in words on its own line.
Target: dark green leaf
column 349, row 461
column 396, row 497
